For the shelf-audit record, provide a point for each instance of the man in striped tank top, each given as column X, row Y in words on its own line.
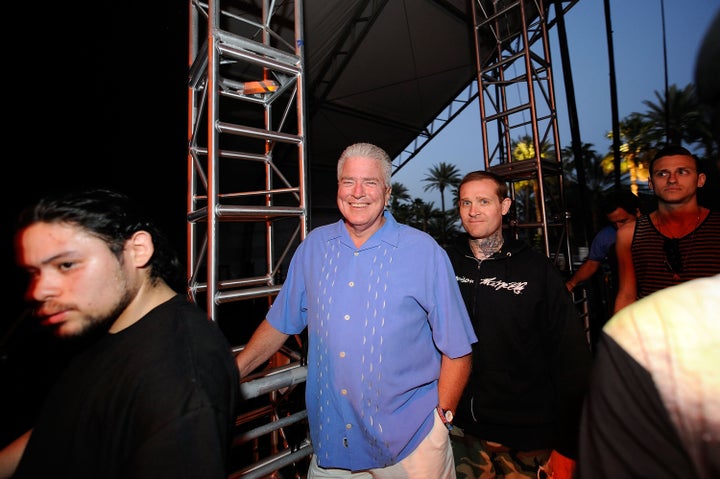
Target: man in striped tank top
column 677, row 242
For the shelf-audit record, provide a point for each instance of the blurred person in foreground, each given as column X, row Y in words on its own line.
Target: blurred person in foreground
column 155, row 393
column 653, row 407
column 519, row 415
column 389, row 339
column 675, row 243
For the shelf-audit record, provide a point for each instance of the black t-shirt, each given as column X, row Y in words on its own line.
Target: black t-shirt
column 157, row 399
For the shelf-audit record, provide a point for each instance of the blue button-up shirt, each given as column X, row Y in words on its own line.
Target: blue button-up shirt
column 378, row 318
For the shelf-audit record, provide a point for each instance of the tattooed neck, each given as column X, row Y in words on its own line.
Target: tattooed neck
column 483, row 248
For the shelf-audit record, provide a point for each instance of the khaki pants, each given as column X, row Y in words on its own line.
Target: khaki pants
column 432, row 459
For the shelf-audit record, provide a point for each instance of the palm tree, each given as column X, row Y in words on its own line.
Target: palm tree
column 685, row 122
column 441, row 176
column 400, row 203
column 422, row 214
column 598, row 177
column 454, row 214
column 399, row 194
column 523, row 149
column 638, row 138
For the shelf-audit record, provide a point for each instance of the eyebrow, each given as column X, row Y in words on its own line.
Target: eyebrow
column 692, row 168
column 363, row 180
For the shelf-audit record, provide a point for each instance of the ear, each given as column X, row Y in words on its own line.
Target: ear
column 505, row 205
column 701, row 180
column 140, row 247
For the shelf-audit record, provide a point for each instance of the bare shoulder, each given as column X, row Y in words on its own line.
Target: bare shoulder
column 625, row 233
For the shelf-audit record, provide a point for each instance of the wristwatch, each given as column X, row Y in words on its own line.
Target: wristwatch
column 446, row 416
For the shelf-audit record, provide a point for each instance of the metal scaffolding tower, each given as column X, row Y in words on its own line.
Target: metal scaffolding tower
column 246, row 163
column 519, row 121
column 247, row 199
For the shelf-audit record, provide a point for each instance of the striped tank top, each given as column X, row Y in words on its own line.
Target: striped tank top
column 661, row 261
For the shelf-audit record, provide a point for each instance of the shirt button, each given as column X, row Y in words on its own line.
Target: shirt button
column 342, row 354
column 343, row 392
column 356, row 253
column 348, row 426
column 351, row 283
column 347, row 316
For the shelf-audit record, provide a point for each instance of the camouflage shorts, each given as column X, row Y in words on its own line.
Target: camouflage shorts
column 479, row 459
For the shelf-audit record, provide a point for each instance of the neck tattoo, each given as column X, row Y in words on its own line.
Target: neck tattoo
column 483, row 248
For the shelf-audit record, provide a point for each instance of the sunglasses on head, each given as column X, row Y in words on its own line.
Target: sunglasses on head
column 673, row 258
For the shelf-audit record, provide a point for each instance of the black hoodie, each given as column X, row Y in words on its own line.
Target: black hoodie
column 532, row 358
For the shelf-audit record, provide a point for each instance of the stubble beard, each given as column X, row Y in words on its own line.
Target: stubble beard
column 98, row 325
